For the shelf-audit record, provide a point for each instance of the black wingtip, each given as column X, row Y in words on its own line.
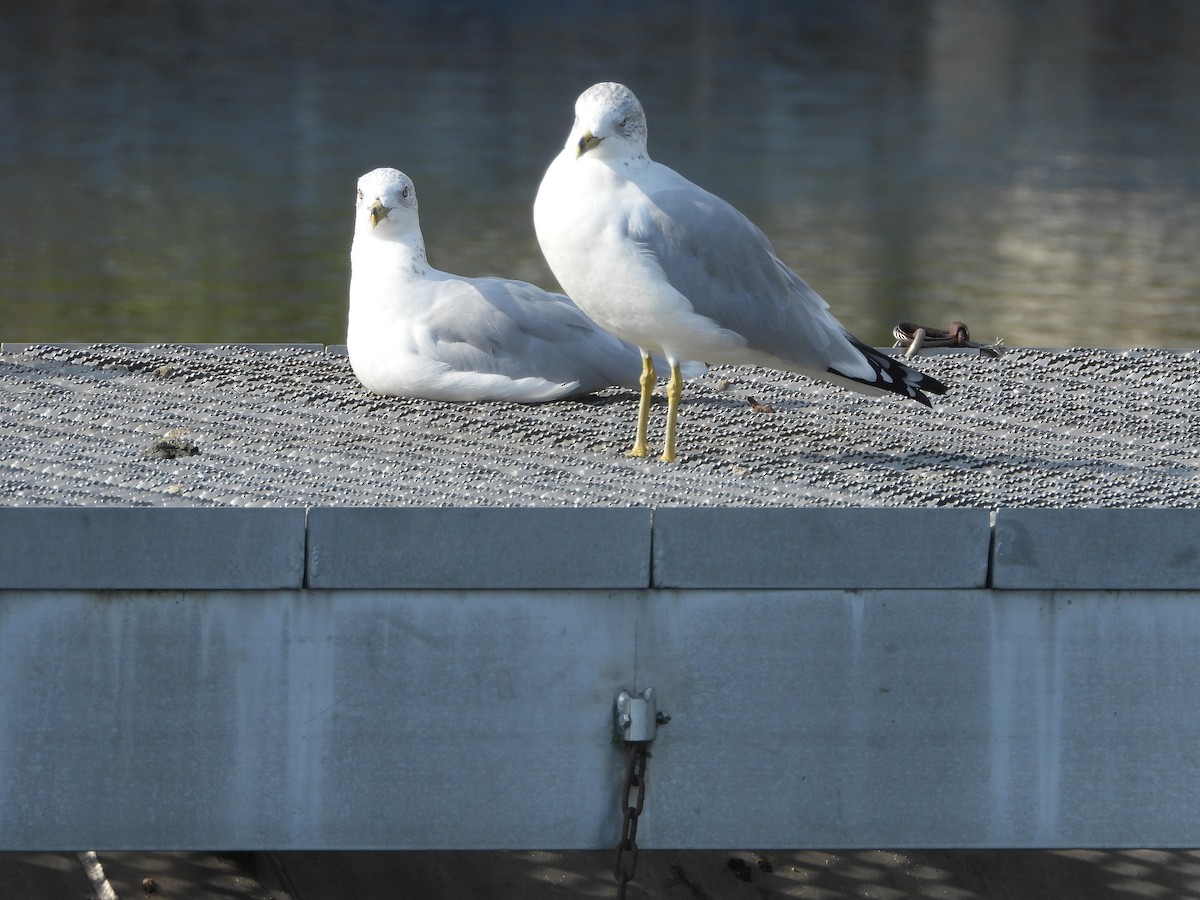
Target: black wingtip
column 929, row 383
column 894, row 375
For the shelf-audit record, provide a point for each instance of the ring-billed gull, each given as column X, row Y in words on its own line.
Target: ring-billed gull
column 417, row 332
column 665, row 265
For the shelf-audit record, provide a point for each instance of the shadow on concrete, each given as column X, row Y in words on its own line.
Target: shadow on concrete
column 671, row 875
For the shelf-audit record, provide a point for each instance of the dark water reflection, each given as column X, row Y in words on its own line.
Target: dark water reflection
column 185, row 170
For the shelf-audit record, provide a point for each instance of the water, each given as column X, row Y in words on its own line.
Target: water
column 185, row 171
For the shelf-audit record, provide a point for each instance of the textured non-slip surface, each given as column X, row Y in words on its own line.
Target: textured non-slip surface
column 222, row 425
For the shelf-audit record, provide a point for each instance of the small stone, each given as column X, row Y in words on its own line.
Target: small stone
column 172, row 445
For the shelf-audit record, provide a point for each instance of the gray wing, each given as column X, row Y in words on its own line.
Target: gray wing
column 516, row 329
column 727, row 268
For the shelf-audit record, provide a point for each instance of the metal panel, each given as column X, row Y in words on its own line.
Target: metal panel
column 311, row 720
column 911, row 719
column 820, row 548
column 122, row 548
column 408, row 720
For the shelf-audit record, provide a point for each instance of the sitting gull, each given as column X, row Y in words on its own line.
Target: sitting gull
column 417, row 332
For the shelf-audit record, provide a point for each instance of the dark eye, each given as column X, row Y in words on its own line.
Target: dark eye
column 624, row 122
column 360, row 193
column 404, row 193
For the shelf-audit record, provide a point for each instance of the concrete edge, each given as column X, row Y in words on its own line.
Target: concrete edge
column 122, row 548
column 501, row 548
column 821, row 548
column 1096, row 549
column 597, row 548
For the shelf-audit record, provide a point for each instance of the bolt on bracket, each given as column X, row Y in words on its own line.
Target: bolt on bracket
column 637, row 716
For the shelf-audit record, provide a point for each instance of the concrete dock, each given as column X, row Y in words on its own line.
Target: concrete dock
column 291, row 427
column 875, row 625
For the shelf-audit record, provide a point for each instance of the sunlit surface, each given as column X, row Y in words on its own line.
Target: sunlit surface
column 186, row 171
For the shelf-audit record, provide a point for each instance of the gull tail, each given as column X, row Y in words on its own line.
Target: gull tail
column 892, row 375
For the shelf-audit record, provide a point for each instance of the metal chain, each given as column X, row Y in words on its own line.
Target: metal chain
column 627, row 849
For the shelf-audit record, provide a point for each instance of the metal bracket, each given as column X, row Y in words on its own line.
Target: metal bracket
column 637, row 716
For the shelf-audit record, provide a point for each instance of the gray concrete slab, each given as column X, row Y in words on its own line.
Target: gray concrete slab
column 43, row 876
column 1079, row 549
column 418, row 548
column 159, row 876
column 820, row 548
column 130, row 548
column 812, row 874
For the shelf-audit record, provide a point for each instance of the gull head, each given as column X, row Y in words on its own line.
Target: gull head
column 609, row 123
column 387, row 203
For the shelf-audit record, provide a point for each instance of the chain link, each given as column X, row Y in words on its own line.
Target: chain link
column 627, row 849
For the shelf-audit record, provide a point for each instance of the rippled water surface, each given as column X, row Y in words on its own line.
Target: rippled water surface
column 185, row 171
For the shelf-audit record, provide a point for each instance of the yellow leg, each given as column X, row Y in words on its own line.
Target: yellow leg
column 674, row 392
column 640, row 447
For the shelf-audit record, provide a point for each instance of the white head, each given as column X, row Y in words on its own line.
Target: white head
column 609, row 124
column 387, row 205
column 386, row 211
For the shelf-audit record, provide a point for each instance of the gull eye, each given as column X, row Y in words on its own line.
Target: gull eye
column 624, row 122
column 360, row 195
column 404, row 193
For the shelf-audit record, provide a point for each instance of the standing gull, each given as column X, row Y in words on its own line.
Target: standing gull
column 417, row 332
column 665, row 265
